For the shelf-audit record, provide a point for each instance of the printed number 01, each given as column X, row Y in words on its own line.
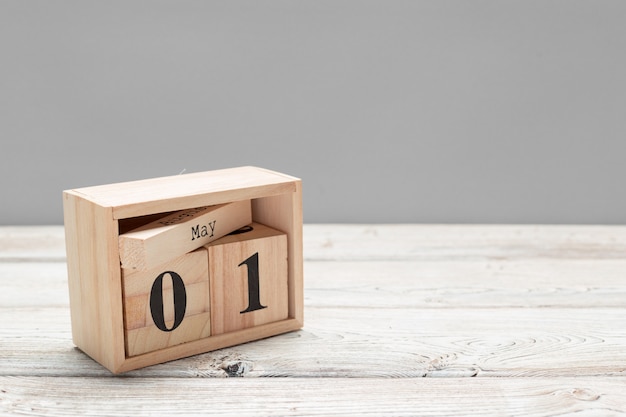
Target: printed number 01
column 180, row 295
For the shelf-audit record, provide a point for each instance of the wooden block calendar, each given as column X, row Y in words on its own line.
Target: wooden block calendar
column 187, row 299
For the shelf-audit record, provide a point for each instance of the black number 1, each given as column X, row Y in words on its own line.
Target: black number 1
column 254, row 297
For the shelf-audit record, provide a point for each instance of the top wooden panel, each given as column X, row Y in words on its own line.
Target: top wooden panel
column 137, row 198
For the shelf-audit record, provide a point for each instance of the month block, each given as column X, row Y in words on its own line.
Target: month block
column 167, row 305
column 180, row 232
column 248, row 278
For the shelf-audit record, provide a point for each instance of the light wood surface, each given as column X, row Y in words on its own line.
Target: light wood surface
column 400, row 320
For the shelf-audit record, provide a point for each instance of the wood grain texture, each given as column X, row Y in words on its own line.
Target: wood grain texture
column 94, row 280
column 32, row 244
column 284, row 212
column 233, row 304
column 400, row 320
column 180, row 232
column 402, row 242
column 370, row 343
column 149, row 338
column 523, row 397
column 158, row 195
column 537, row 282
column 142, row 334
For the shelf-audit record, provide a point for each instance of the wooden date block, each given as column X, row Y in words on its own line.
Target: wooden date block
column 248, row 276
column 180, row 232
column 128, row 318
column 167, row 305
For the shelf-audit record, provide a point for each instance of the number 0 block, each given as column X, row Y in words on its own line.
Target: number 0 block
column 167, row 305
column 248, row 276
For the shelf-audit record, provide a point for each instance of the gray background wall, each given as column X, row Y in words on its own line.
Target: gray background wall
column 390, row 111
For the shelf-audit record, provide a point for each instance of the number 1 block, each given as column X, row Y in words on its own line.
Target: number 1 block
column 248, row 278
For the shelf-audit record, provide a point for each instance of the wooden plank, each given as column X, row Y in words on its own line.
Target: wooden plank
column 149, row 338
column 294, row 397
column 157, row 195
column 18, row 279
column 363, row 342
column 537, row 282
column 445, row 242
column 356, row 310
column 446, row 343
column 181, row 232
column 284, row 212
column 32, row 244
column 94, row 280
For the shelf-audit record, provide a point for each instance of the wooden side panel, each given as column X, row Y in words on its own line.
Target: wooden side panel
column 179, row 192
column 94, row 280
column 284, row 212
column 72, row 244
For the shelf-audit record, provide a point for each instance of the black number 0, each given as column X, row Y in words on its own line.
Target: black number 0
column 156, row 301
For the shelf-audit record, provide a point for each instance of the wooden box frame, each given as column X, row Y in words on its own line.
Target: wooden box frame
column 93, row 216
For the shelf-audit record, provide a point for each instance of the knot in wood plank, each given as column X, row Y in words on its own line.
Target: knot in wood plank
column 236, row 368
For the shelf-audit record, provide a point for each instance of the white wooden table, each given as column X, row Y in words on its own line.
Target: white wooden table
column 399, row 320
